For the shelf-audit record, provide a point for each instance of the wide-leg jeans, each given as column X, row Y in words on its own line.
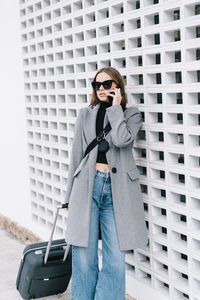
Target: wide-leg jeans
column 88, row 282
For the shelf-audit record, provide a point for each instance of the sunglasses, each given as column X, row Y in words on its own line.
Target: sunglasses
column 106, row 84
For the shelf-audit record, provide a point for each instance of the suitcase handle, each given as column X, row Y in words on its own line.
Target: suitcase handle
column 52, row 232
column 55, row 257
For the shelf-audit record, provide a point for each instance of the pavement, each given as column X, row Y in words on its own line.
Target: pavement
column 11, row 249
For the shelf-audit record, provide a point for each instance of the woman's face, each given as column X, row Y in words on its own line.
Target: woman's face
column 101, row 93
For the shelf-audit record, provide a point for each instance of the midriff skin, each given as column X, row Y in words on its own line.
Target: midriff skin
column 102, row 167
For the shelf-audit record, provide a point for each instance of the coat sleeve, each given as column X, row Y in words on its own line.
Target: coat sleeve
column 123, row 132
column 76, row 155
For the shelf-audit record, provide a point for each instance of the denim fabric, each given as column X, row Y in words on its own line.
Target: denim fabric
column 88, row 282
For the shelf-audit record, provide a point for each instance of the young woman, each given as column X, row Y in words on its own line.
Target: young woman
column 104, row 186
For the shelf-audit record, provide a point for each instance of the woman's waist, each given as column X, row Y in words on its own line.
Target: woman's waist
column 102, row 167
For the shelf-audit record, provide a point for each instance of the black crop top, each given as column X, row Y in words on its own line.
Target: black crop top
column 101, row 157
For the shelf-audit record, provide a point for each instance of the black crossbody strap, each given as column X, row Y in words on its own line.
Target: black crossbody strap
column 98, row 138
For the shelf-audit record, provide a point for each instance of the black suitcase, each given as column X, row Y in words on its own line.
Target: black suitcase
column 45, row 268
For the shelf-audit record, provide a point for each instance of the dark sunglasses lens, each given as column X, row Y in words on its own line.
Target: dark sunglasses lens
column 95, row 85
column 107, row 84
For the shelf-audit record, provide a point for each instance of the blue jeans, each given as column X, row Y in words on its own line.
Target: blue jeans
column 88, row 282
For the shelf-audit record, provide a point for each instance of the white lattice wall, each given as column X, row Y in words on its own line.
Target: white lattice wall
column 155, row 44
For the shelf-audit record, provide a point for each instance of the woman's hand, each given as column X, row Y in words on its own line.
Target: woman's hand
column 117, row 98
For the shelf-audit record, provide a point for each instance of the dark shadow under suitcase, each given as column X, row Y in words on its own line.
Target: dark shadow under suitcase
column 45, row 268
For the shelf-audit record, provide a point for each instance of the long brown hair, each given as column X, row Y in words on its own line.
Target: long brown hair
column 115, row 75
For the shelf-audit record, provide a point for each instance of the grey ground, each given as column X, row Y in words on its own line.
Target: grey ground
column 11, row 250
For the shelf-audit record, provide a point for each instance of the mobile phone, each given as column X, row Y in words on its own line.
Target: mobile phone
column 110, row 98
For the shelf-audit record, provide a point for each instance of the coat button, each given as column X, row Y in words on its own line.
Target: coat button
column 114, row 170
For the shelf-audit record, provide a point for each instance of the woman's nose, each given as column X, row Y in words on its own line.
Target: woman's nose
column 101, row 88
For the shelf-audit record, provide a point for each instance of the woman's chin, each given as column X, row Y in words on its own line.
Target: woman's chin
column 103, row 98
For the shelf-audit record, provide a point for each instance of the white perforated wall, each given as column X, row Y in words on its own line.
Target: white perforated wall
column 155, row 44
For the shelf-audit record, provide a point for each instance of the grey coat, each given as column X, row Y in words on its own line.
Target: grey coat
column 126, row 192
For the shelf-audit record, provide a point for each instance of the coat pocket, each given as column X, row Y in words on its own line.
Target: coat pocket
column 133, row 173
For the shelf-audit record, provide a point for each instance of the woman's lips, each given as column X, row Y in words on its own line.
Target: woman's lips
column 102, row 94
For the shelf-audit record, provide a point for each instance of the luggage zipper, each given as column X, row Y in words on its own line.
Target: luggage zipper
column 40, row 248
column 55, row 276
